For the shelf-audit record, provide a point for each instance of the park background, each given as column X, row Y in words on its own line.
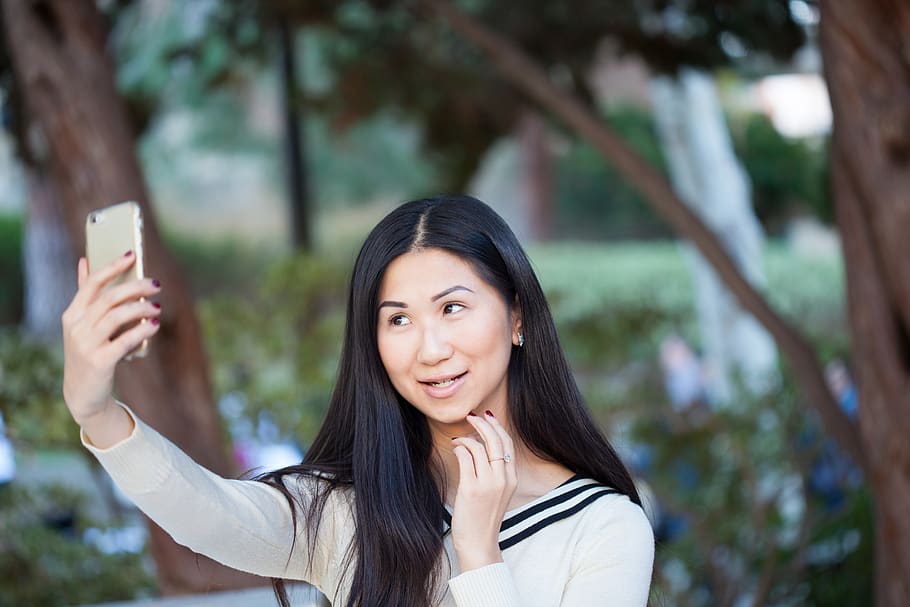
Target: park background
column 661, row 160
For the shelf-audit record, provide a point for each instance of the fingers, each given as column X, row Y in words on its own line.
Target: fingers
column 491, row 438
column 117, row 295
column 82, row 271
column 90, row 284
column 130, row 340
column 126, row 314
column 466, row 469
column 478, row 454
column 505, row 439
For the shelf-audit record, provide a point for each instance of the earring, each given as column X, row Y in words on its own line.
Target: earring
column 521, row 339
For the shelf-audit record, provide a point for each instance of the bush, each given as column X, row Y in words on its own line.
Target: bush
column 788, row 176
column 43, row 563
column 31, row 389
column 594, row 200
column 278, row 344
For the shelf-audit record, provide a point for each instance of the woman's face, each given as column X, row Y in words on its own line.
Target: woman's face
column 445, row 336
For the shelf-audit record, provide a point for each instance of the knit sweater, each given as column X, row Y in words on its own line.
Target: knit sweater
column 579, row 545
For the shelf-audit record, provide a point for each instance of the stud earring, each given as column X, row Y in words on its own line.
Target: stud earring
column 521, row 339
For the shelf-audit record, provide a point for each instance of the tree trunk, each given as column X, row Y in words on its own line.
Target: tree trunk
column 295, row 143
column 537, row 163
column 706, row 174
column 519, row 70
column 47, row 258
column 57, row 52
column 867, row 67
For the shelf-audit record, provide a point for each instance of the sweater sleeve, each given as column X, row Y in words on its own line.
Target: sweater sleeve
column 490, row 586
column 615, row 568
column 246, row 525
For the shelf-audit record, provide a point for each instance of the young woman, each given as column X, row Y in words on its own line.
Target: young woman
column 457, row 464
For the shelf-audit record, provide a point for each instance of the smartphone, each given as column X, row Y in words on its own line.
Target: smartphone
column 109, row 233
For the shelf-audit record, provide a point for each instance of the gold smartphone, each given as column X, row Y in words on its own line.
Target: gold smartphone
column 109, row 233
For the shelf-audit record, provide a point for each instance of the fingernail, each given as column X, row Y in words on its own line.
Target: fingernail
column 128, row 254
column 490, row 413
column 455, row 437
column 156, row 283
column 156, row 321
column 471, row 414
column 157, row 305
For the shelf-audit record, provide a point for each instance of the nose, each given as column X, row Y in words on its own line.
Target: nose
column 435, row 347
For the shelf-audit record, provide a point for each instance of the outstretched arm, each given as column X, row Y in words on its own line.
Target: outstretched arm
column 246, row 525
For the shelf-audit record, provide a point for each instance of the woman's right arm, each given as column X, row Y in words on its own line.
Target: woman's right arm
column 243, row 524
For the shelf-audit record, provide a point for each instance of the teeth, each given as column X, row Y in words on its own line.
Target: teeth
column 441, row 384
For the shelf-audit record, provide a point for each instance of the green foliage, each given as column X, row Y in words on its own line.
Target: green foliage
column 375, row 56
column 41, row 566
column 11, row 287
column 736, row 475
column 788, row 176
column 594, row 200
column 278, row 344
column 216, row 266
column 31, row 393
column 738, row 478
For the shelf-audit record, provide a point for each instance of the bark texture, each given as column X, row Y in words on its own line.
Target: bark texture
column 866, row 50
column 57, row 48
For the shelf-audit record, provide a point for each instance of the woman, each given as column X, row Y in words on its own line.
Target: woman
column 457, row 464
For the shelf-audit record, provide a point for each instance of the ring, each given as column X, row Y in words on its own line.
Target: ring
column 505, row 457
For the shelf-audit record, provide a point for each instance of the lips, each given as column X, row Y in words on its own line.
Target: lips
column 442, row 380
column 443, row 386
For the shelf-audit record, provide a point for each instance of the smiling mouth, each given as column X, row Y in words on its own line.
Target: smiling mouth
column 445, row 382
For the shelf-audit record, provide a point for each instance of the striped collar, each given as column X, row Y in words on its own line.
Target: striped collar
column 562, row 502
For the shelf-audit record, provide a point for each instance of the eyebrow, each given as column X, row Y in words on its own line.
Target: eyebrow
column 450, row 290
column 401, row 304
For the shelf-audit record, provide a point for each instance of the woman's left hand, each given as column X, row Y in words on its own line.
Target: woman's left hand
column 485, row 486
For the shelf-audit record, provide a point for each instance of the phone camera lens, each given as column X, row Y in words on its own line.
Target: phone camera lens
column 95, row 218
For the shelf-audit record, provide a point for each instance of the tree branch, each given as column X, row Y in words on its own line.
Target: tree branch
column 518, row 69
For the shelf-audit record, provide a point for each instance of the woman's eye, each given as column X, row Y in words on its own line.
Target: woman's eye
column 399, row 320
column 451, row 308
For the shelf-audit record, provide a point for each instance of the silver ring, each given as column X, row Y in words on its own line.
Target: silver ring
column 505, row 457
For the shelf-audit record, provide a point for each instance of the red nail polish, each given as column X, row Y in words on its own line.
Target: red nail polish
column 157, row 305
column 156, row 321
column 490, row 413
column 128, row 254
column 156, row 283
column 471, row 414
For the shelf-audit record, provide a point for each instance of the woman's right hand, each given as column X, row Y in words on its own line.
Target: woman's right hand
column 92, row 318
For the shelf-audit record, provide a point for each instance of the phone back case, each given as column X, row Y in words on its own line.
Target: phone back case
column 109, row 233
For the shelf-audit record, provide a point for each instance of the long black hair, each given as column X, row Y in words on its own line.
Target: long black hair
column 376, row 443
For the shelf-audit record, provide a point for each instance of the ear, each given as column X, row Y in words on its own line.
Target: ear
column 515, row 317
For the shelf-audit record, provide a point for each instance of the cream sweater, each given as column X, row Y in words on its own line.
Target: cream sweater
column 580, row 545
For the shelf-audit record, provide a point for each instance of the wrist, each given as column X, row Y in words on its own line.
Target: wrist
column 478, row 556
column 107, row 426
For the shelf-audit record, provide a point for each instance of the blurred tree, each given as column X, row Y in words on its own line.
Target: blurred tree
column 57, row 50
column 45, row 255
column 867, row 68
column 869, row 75
column 380, row 55
column 519, row 69
column 787, row 175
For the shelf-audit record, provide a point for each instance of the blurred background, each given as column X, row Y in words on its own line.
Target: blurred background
column 685, row 235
